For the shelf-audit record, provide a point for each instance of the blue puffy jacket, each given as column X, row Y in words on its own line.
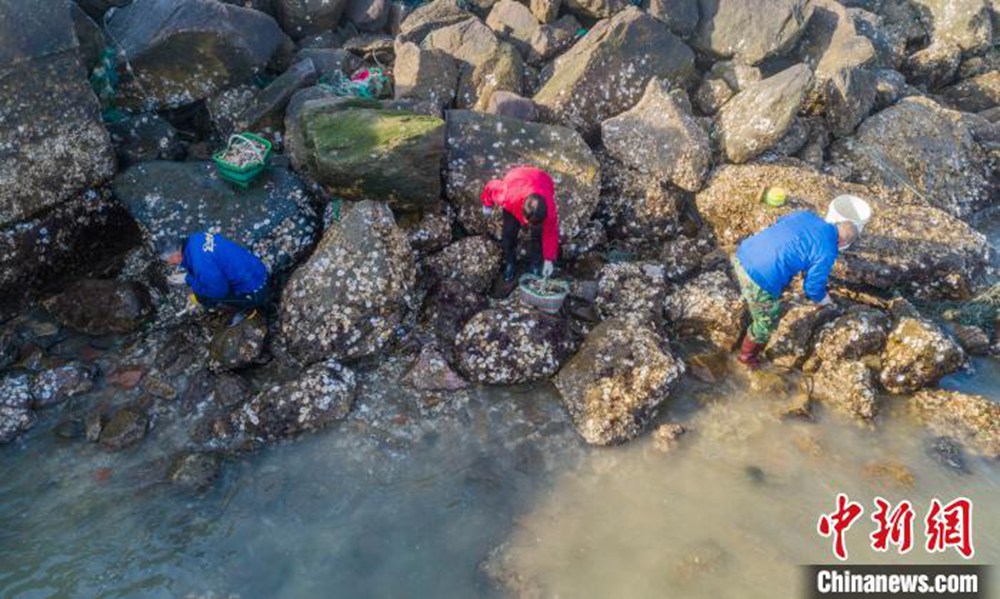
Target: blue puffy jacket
column 798, row 242
column 218, row 268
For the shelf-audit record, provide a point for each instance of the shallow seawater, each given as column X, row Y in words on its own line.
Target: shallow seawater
column 732, row 511
column 365, row 510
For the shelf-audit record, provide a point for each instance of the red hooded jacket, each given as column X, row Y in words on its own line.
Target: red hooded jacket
column 510, row 192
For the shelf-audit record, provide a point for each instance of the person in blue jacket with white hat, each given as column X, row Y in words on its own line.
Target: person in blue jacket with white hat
column 800, row 242
column 221, row 273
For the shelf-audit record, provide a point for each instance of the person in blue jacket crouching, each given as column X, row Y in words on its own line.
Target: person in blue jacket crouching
column 221, row 274
column 801, row 242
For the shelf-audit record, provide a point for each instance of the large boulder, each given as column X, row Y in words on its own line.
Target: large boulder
column 513, row 344
column 473, row 261
column 301, row 18
column 973, row 419
column 911, row 246
column 756, row 119
column 71, row 240
column 614, row 386
column 101, row 306
column 15, row 406
column 54, row 143
column 485, row 64
column 322, row 394
column 631, row 290
column 708, row 306
column 966, row 24
column 607, row 71
column 273, row 218
column 536, row 42
column 920, row 249
column 429, row 78
column 431, row 16
column 919, row 145
column 660, row 136
column 750, row 31
column 347, row 299
column 845, row 89
column 181, row 51
column 637, row 208
column 360, row 150
column 917, row 354
column 483, row 147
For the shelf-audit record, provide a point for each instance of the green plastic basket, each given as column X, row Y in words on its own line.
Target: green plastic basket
column 548, row 303
column 242, row 175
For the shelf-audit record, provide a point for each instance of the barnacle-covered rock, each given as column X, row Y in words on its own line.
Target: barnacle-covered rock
column 858, row 333
column 182, row 51
column 614, row 386
column 58, row 384
column 347, row 299
column 428, row 78
column 756, row 119
column 631, row 290
column 660, row 136
column 750, row 30
column 474, row 261
column 432, row 232
column 917, row 354
column 273, row 218
column 15, row 406
column 903, row 245
column 301, row 18
column 536, row 42
column 635, row 207
column 849, row 386
column 324, row 393
column 53, row 142
column 483, row 147
column 918, row 144
column 709, row 306
column 607, row 71
column 973, row 419
column 485, row 64
column 790, row 343
column 513, row 344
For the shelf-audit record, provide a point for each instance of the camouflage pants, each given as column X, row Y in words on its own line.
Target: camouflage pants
column 764, row 308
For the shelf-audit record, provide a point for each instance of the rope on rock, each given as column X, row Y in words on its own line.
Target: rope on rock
column 980, row 311
column 371, row 83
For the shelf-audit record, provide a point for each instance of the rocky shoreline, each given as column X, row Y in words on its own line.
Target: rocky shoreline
column 661, row 124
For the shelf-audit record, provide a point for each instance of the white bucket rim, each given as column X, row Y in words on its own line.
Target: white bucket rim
column 861, row 208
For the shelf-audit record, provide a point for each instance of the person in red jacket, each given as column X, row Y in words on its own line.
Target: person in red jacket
column 527, row 196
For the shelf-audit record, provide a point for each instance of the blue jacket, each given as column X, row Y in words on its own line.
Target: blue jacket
column 798, row 242
column 218, row 268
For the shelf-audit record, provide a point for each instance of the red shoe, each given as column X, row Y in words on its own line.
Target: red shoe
column 748, row 353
